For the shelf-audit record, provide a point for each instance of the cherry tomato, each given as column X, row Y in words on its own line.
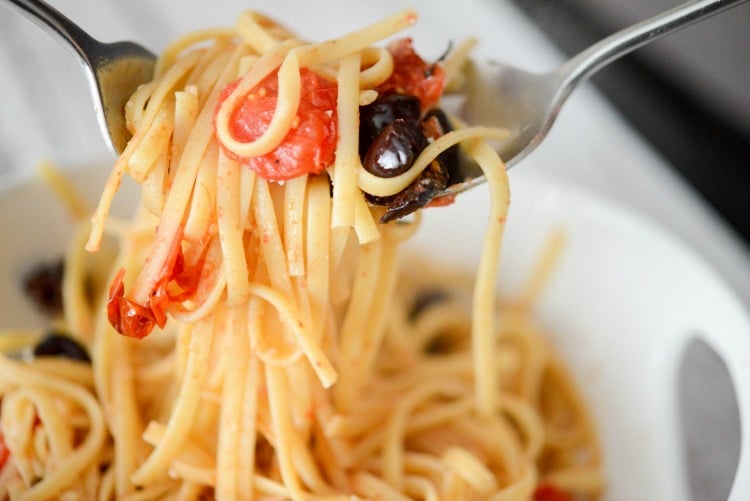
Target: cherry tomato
column 310, row 145
column 412, row 75
column 177, row 282
column 128, row 317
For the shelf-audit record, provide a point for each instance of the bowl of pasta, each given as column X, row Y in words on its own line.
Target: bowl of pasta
column 603, row 302
column 263, row 297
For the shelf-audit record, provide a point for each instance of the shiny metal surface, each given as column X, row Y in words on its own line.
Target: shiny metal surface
column 527, row 103
column 113, row 70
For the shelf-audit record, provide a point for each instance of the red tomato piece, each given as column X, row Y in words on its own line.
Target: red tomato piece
column 177, row 282
column 310, row 145
column 548, row 492
column 127, row 317
column 412, row 75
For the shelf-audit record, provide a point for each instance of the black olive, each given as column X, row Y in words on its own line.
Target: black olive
column 392, row 135
column 374, row 117
column 426, row 299
column 56, row 344
column 418, row 194
column 394, row 150
column 44, row 286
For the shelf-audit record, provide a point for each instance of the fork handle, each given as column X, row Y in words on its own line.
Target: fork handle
column 60, row 27
column 627, row 40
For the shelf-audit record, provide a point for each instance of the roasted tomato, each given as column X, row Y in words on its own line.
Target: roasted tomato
column 177, row 282
column 412, row 75
column 128, row 317
column 309, row 146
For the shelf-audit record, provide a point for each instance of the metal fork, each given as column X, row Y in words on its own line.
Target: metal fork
column 527, row 104
column 113, row 70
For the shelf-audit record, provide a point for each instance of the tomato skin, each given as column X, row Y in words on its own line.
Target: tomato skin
column 127, row 317
column 309, row 147
column 548, row 492
column 177, row 282
column 412, row 75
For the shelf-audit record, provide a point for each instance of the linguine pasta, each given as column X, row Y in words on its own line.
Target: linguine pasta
column 293, row 356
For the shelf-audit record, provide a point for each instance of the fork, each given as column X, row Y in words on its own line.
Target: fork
column 527, row 104
column 494, row 94
column 113, row 70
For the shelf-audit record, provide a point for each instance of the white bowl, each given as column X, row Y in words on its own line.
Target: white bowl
column 621, row 306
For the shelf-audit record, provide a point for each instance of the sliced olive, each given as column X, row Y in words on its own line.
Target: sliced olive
column 394, row 149
column 392, row 136
column 374, row 117
column 418, row 194
column 56, row 344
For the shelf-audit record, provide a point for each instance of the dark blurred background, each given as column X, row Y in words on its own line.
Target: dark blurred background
column 687, row 94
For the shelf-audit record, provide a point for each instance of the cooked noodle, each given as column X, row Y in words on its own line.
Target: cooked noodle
column 294, row 356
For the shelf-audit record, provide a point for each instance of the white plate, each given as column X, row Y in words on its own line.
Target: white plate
column 621, row 306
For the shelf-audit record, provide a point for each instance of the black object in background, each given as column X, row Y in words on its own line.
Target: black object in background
column 708, row 150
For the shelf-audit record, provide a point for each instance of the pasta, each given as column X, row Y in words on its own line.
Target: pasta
column 294, row 356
